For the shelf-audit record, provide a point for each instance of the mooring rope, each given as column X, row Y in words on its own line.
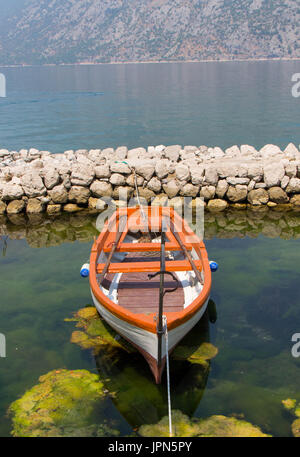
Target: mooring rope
column 165, row 328
column 132, row 169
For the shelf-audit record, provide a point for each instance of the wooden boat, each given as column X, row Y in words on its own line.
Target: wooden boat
column 137, row 248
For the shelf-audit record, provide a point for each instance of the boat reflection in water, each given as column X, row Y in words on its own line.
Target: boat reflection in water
column 139, row 400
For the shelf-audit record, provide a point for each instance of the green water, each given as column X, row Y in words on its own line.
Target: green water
column 257, row 296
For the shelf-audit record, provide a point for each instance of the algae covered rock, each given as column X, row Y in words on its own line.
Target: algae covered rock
column 200, row 354
column 296, row 428
column 289, row 404
column 294, row 408
column 62, row 404
column 214, row 426
column 95, row 333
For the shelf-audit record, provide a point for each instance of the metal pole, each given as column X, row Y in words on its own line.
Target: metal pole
column 160, row 329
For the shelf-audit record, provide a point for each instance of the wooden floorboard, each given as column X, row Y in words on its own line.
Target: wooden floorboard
column 139, row 294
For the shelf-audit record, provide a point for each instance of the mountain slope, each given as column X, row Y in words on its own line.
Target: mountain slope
column 69, row 31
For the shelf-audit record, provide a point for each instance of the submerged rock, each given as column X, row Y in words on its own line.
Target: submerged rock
column 95, row 333
column 198, row 354
column 294, row 408
column 62, row 404
column 214, row 426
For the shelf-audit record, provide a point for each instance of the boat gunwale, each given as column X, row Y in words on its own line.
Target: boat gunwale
column 141, row 320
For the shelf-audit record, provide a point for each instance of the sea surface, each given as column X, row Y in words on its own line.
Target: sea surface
column 215, row 104
column 255, row 306
column 254, row 312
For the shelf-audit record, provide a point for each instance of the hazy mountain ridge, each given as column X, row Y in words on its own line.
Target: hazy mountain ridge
column 70, row 31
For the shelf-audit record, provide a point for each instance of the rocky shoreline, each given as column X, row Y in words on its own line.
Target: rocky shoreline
column 33, row 181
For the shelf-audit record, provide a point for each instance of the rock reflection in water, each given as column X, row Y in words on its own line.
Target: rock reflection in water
column 42, row 231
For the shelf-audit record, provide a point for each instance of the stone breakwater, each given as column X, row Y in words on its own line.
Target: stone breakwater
column 35, row 181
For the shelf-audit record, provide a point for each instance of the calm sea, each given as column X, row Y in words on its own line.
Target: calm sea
column 60, row 108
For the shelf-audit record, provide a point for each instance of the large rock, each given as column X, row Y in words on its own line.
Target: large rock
column 226, row 169
column 33, row 185
column 172, row 152
column 136, row 154
column 217, row 205
column 171, row 188
column 11, row 191
column 82, row 175
column 291, row 150
column 189, row 190
column 208, row 192
column 190, row 148
column 234, row 181
column 218, row 153
column 96, row 204
column 284, row 182
column 197, row 174
column 117, row 179
column 120, row 167
column 122, row 193
column 145, row 169
column 35, row 206
column 222, row 188
column 102, row 171
column 154, row 184
column 79, row 195
column 293, row 186
column 51, row 177
column 255, row 170
column 53, row 209
column 273, row 174
column 211, row 175
column 15, row 207
column 258, row 197
column 233, row 151
column 270, row 150
column 146, row 194
column 214, row 426
column 101, row 189
column 121, row 152
column 295, row 200
column 2, row 207
column 130, row 181
column 291, row 170
column 248, row 150
column 72, row 208
column 58, row 194
column 237, row 193
column 107, row 153
column 162, row 168
column 94, row 155
column 182, row 172
column 277, row 195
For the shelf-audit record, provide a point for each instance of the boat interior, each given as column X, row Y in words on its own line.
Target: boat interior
column 133, row 279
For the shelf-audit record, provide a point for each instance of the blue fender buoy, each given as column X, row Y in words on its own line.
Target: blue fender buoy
column 85, row 270
column 213, row 266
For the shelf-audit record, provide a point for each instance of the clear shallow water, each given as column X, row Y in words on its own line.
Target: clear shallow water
column 60, row 108
column 257, row 296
